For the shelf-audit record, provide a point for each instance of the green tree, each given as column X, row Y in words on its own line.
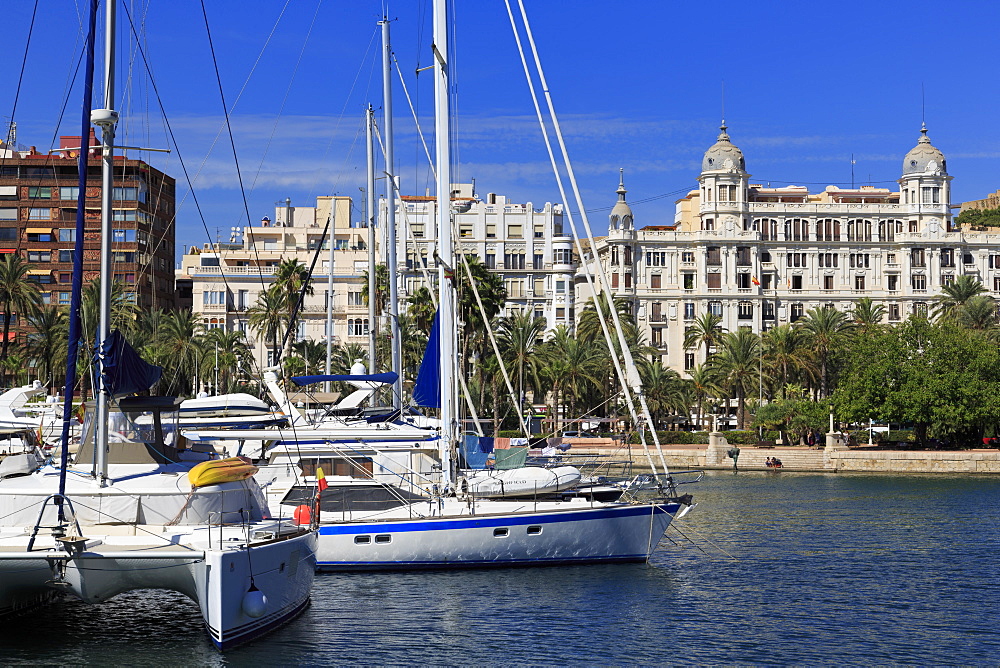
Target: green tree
column 979, row 313
column 827, row 330
column 666, row 392
column 571, row 367
column 955, row 294
column 705, row 385
column 867, row 315
column 267, row 318
column 705, row 330
column 179, row 337
column 18, row 294
column 787, row 356
column 420, row 309
column 738, row 365
column 518, row 338
column 46, row 345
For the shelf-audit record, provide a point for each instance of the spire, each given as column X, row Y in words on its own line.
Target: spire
column 621, row 184
column 723, row 135
column 924, row 139
column 621, row 212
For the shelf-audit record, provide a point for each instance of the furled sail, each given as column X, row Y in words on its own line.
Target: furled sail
column 124, row 371
column 427, row 391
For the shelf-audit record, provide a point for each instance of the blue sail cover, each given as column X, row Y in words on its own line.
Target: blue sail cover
column 387, row 378
column 427, row 391
column 123, row 371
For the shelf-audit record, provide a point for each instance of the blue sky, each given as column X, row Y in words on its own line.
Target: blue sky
column 637, row 85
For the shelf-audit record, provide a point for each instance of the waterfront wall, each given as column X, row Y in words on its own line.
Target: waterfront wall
column 861, row 460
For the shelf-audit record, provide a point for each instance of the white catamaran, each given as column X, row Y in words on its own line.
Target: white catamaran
column 137, row 510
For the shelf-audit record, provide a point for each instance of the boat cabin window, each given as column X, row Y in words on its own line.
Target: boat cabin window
column 500, row 533
column 358, row 467
column 362, row 540
column 383, row 538
column 534, row 530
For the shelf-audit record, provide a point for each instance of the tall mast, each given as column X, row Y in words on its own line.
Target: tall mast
column 106, row 119
column 370, row 212
column 445, row 247
column 390, row 217
column 329, row 292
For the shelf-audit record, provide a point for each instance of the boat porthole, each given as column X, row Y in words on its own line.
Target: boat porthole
column 281, row 568
column 362, row 540
column 383, row 538
column 500, row 533
column 534, row 530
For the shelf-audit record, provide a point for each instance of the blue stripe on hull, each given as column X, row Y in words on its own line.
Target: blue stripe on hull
column 527, row 517
column 330, row 566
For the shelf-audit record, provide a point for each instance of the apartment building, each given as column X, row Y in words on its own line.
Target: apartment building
column 38, row 207
column 529, row 246
column 227, row 278
column 759, row 257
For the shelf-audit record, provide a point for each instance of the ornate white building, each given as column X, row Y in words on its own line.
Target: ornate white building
column 760, row 257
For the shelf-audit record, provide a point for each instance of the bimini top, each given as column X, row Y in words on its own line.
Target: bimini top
column 387, row 378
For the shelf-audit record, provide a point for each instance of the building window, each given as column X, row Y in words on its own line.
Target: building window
column 828, row 282
column 67, row 235
column 859, row 260
column 947, row 257
column 744, row 310
column 715, row 308
column 355, row 298
column 797, row 230
column 491, row 260
column 561, row 287
column 614, row 279
column 689, row 310
column 417, row 230
column 968, row 259
column 890, row 258
column 537, row 261
column 688, row 281
column 688, row 361
column 828, row 230
column 920, row 308
column 539, row 230
column 69, row 192
column 39, row 214
column 797, row 312
column 465, row 231
column 513, row 260
column 64, row 298
column 796, row 282
column 893, row 311
column 628, row 280
column 654, row 281
column 859, row 230
column 539, row 287
column 742, row 256
column 40, row 192
column 708, row 224
column 656, row 312
column 357, row 327
column 657, row 259
column 767, row 310
column 930, row 195
column 918, row 258
column 768, row 229
column 892, row 282
column 859, row 282
column 213, row 298
column 8, row 214
column 919, row 282
column 39, row 256
column 828, row 260
column 560, row 313
column 996, row 284
column 687, row 256
column 65, row 277
column 561, row 256
column 795, row 260
column 713, row 281
column 515, row 231
column 656, row 337
column 713, row 256
column 119, row 236
column 491, row 230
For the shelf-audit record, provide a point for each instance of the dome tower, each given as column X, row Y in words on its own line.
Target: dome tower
column 723, row 182
column 925, row 186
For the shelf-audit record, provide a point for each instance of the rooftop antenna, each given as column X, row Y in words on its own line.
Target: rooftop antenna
column 723, row 101
column 853, row 162
column 923, row 106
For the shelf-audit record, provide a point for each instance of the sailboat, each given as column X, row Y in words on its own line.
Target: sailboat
column 137, row 509
column 393, row 502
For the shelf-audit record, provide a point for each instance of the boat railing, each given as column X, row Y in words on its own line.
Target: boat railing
column 59, row 529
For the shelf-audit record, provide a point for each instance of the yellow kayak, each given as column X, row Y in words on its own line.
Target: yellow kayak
column 221, row 470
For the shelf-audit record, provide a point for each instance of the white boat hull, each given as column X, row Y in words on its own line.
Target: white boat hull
column 572, row 534
column 528, row 481
column 216, row 578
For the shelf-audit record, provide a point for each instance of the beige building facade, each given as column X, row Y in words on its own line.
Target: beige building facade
column 760, row 257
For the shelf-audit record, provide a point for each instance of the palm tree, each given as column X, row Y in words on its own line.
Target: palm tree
column 665, row 392
column 267, row 317
column 571, row 367
column 867, row 315
column 826, row 331
column 738, row 365
column 46, row 345
column 420, row 309
column 289, row 280
column 179, row 336
column 955, row 294
column 381, row 288
column 786, row 355
column 704, row 386
column 589, row 326
column 492, row 293
column 705, row 330
column 979, row 313
column 517, row 339
column 18, row 295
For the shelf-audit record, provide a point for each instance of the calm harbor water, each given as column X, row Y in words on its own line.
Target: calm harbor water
column 825, row 569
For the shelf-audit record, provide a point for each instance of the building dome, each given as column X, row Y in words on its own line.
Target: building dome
column 924, row 157
column 723, row 155
column 621, row 213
